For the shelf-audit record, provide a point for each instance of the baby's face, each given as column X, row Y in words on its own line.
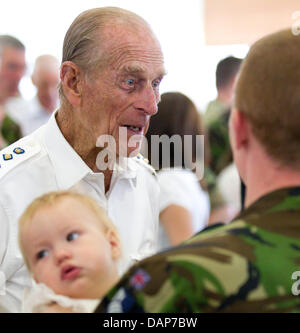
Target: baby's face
column 68, row 251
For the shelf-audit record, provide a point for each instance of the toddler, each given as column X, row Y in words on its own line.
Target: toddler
column 70, row 248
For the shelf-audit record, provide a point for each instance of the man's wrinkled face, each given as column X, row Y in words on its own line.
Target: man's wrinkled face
column 12, row 69
column 124, row 94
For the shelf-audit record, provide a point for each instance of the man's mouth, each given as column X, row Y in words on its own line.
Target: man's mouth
column 70, row 272
column 135, row 129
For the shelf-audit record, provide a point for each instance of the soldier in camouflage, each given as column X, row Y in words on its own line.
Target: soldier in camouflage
column 245, row 266
column 220, row 150
column 12, row 69
column 10, row 132
column 249, row 265
column 216, row 124
column 217, row 114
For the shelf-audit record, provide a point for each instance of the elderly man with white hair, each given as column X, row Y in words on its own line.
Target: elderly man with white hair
column 112, row 66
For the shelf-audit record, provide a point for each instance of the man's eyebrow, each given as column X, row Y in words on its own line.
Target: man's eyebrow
column 132, row 69
column 136, row 69
column 163, row 72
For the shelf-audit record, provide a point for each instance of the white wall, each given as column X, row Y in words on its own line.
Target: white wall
column 41, row 26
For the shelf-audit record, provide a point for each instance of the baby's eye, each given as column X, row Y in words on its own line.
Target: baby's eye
column 42, row 254
column 72, row 236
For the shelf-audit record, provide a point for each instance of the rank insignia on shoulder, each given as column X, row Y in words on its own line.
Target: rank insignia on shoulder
column 7, row 157
column 139, row 156
column 14, row 155
column 146, row 163
column 19, row 150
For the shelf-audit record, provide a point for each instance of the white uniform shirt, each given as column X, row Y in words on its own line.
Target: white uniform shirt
column 181, row 187
column 29, row 115
column 37, row 116
column 49, row 163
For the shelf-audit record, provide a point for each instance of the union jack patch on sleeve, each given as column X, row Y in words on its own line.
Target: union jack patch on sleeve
column 139, row 279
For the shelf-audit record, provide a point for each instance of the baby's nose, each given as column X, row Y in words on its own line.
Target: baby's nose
column 61, row 254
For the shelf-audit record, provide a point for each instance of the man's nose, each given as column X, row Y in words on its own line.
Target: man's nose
column 148, row 100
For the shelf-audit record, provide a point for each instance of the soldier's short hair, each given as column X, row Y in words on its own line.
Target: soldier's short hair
column 10, row 41
column 268, row 93
column 226, row 70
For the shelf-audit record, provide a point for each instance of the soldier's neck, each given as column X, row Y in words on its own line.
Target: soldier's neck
column 274, row 178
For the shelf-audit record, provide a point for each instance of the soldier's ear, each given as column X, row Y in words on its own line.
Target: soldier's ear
column 239, row 129
column 71, row 80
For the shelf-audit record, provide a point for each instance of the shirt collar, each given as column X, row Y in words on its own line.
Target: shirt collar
column 68, row 165
column 126, row 169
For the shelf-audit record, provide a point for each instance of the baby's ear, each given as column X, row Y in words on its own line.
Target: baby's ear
column 115, row 243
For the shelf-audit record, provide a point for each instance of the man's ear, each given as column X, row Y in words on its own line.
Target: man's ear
column 240, row 127
column 115, row 244
column 71, row 79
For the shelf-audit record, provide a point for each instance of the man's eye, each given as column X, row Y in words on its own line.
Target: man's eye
column 128, row 83
column 42, row 254
column 156, row 83
column 72, row 236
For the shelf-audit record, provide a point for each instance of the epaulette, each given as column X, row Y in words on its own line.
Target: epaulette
column 145, row 162
column 17, row 153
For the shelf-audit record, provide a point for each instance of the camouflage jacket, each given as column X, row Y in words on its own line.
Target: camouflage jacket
column 216, row 126
column 10, row 131
column 220, row 154
column 213, row 112
column 248, row 265
column 219, row 144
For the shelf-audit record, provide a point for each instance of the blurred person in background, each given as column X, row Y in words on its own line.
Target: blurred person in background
column 216, row 119
column 45, row 78
column 12, row 69
column 226, row 73
column 184, row 202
